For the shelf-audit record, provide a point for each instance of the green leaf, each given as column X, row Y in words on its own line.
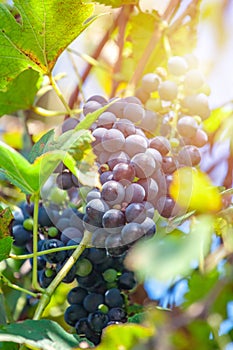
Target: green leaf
column 123, row 336
column 18, row 170
column 39, row 147
column 216, row 118
column 42, row 334
column 117, row 3
column 165, row 258
column 137, row 318
column 5, row 219
column 38, row 37
column 5, row 247
column 206, row 281
column 20, row 92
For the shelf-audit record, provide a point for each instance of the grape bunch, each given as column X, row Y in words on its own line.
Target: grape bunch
column 139, row 142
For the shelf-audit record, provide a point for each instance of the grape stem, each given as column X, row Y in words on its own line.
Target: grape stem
column 16, row 287
column 59, row 93
column 47, row 113
column 44, row 252
column 35, row 283
column 44, row 301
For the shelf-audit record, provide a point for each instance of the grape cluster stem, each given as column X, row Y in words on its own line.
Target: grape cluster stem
column 62, row 273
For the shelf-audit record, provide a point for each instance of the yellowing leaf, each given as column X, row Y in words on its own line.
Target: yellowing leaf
column 193, row 190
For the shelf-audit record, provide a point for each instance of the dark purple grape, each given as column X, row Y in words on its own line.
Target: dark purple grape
column 76, row 295
column 69, row 124
column 97, row 321
column 92, row 301
column 74, row 313
column 124, row 173
column 131, row 233
column 113, row 298
column 117, row 314
column 113, row 220
column 113, row 192
column 134, row 193
column 127, row 281
column 21, row 236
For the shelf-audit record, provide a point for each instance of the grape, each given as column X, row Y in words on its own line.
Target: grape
column 106, row 176
column 167, row 207
column 92, row 301
column 113, row 220
column 135, row 144
column 187, row 126
column 132, row 99
column 200, row 139
column 113, row 192
column 117, row 108
column 21, row 236
column 194, row 79
column 161, row 144
column 83, row 328
column 56, row 257
column 44, row 280
column 117, row 314
column 113, row 298
column 71, row 233
column 133, row 112
column 52, row 232
column 97, row 321
column 149, row 122
column 91, row 106
column 156, row 155
column 168, row 90
column 76, row 295
column 91, row 224
column 125, row 126
column 18, row 217
column 110, row 275
column 136, row 212
column 134, row 193
column 113, row 140
column 98, row 135
column 124, row 173
column 114, row 245
column 177, row 65
column 70, row 275
column 106, row 120
column 169, row 165
column 116, row 158
column 127, row 281
column 151, row 188
column 98, row 237
column 74, row 313
column 144, row 165
column 69, row 124
column 95, row 209
column 150, row 82
column 64, row 181
column 103, row 157
column 90, row 281
column 189, row 155
column 28, row 224
column 142, row 94
column 96, row 256
column 98, row 98
column 43, row 218
column 76, row 221
column 131, row 233
column 84, row 267
column 197, row 105
column 148, row 227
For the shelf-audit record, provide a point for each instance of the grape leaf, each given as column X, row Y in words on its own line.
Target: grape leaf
column 20, row 92
column 39, row 147
column 5, row 247
column 5, row 219
column 42, row 334
column 130, row 335
column 38, row 34
column 117, row 3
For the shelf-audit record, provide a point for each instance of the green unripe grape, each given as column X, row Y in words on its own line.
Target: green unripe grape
column 110, row 275
column 84, row 267
column 154, row 104
column 174, row 142
column 28, row 224
column 49, row 272
column 103, row 308
column 52, row 231
column 58, row 196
